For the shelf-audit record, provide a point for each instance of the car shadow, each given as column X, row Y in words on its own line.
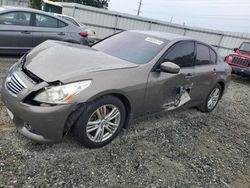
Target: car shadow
column 8, row 56
column 241, row 79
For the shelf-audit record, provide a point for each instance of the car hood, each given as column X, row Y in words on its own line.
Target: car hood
column 243, row 54
column 54, row 60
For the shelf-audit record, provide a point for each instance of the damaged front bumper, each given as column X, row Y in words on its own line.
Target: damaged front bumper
column 37, row 122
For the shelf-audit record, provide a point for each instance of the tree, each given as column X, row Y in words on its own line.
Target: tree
column 35, row 4
column 94, row 3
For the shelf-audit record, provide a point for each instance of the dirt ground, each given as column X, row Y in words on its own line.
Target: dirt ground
column 176, row 149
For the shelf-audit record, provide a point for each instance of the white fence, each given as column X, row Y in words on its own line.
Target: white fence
column 22, row 3
column 108, row 22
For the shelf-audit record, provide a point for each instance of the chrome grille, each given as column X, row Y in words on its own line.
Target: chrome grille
column 241, row 61
column 14, row 84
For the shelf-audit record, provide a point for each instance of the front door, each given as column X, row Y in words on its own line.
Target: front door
column 16, row 31
column 167, row 91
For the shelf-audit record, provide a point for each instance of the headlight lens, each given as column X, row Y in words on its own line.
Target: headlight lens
column 230, row 58
column 61, row 94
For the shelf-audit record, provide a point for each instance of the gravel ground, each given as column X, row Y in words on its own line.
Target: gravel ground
column 176, row 149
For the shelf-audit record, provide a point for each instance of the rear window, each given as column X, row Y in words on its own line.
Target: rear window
column 131, row 46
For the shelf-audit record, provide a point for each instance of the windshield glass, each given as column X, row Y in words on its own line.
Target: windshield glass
column 245, row 47
column 131, row 46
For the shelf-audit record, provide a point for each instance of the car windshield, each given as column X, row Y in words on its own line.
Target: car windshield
column 245, row 47
column 131, row 46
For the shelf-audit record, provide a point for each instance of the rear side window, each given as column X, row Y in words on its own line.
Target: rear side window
column 181, row 54
column 15, row 18
column 71, row 21
column 47, row 21
column 61, row 24
column 203, row 55
column 213, row 56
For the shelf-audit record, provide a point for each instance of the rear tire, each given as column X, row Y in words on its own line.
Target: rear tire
column 101, row 122
column 212, row 99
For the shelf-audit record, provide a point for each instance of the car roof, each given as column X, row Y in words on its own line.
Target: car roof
column 163, row 35
column 12, row 8
column 64, row 15
column 171, row 37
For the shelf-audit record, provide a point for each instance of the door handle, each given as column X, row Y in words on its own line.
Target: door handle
column 189, row 75
column 61, row 33
column 25, row 32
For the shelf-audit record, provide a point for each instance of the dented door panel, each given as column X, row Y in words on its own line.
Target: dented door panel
column 167, row 91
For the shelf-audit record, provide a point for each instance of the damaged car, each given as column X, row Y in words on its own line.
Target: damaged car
column 94, row 91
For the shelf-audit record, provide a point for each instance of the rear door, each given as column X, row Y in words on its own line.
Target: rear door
column 205, row 71
column 15, row 30
column 48, row 28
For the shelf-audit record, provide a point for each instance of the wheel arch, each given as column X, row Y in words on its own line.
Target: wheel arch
column 74, row 116
column 222, row 84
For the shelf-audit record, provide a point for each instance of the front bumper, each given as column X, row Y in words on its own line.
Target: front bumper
column 39, row 123
column 240, row 70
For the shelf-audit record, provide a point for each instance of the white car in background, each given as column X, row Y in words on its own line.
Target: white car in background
column 90, row 33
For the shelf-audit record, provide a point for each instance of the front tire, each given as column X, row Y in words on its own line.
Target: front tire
column 101, row 122
column 212, row 99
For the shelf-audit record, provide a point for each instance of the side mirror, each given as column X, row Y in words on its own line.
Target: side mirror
column 235, row 49
column 170, row 67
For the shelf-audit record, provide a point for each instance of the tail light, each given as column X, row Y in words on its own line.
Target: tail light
column 84, row 34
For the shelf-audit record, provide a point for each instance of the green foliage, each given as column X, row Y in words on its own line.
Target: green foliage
column 36, row 4
column 93, row 3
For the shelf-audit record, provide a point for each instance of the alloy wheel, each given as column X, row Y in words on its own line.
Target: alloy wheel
column 213, row 98
column 103, row 123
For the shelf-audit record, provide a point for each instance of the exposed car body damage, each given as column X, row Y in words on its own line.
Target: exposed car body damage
column 181, row 98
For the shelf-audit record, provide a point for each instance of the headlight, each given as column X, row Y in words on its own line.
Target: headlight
column 61, row 94
column 230, row 58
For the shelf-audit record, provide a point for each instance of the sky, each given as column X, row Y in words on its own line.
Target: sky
column 225, row 15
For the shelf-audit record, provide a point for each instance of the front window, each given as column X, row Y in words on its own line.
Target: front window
column 181, row 54
column 245, row 47
column 131, row 46
column 15, row 18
